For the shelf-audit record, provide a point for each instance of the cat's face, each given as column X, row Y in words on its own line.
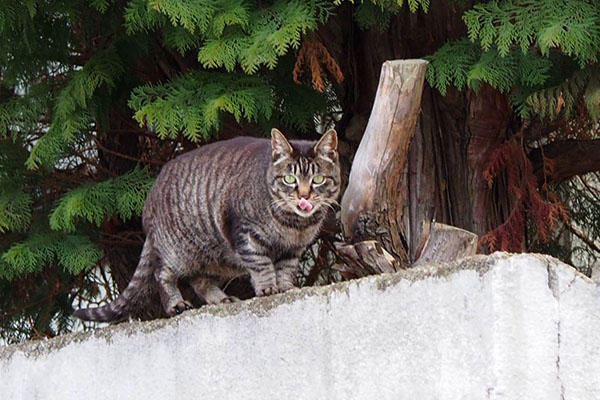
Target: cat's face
column 304, row 178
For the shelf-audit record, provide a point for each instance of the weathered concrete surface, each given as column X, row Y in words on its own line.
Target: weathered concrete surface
column 498, row 327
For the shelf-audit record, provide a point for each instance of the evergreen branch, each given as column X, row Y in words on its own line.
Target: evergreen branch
column 21, row 114
column 26, row 52
column 562, row 98
column 60, row 135
column 450, row 65
column 101, row 5
column 498, row 72
column 461, row 63
column 259, row 37
column 123, row 196
column 180, row 39
column 223, row 51
column 193, row 103
column 229, row 32
column 74, row 108
column 571, row 26
column 74, row 253
column 140, row 17
column 230, row 13
column 274, row 33
column 15, row 209
column 192, row 15
column 377, row 13
column 10, row 15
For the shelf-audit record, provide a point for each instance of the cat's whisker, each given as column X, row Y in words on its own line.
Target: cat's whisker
column 330, row 206
column 329, row 203
column 275, row 202
column 278, row 204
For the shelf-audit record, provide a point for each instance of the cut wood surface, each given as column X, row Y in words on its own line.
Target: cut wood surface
column 445, row 243
column 373, row 203
column 365, row 258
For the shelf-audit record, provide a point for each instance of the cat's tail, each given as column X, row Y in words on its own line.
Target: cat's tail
column 131, row 297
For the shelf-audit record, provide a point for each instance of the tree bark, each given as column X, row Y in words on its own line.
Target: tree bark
column 455, row 133
column 561, row 160
column 373, row 203
column 488, row 119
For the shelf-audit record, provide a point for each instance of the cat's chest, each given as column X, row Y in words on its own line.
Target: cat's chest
column 294, row 237
column 277, row 240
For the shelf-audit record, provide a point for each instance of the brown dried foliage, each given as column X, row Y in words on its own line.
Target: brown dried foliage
column 580, row 127
column 511, row 159
column 314, row 53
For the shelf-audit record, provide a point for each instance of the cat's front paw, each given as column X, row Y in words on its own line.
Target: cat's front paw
column 230, row 299
column 285, row 287
column 269, row 290
column 179, row 308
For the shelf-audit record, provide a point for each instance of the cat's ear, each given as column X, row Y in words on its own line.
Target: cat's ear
column 326, row 147
column 281, row 147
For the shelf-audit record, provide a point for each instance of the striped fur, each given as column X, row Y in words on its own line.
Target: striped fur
column 225, row 210
column 132, row 296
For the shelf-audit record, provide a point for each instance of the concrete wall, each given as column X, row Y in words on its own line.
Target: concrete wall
column 498, row 327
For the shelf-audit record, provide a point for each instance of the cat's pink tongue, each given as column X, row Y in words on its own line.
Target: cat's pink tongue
column 305, row 204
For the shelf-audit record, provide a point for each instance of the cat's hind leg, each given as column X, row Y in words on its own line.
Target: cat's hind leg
column 170, row 296
column 209, row 290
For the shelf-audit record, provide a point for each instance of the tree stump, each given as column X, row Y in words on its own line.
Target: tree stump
column 444, row 243
column 373, row 204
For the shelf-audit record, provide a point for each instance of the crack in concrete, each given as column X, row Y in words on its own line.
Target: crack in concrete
column 553, row 281
column 562, row 386
column 554, row 286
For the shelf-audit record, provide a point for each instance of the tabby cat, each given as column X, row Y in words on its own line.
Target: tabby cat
column 235, row 207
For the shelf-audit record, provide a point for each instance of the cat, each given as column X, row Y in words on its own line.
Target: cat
column 235, row 207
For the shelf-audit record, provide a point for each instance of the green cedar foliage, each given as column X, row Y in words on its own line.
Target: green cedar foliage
column 193, row 103
column 227, row 33
column 15, row 208
column 96, row 95
column 377, row 14
column 76, row 106
column 74, row 253
column 123, row 196
column 77, row 80
column 523, row 47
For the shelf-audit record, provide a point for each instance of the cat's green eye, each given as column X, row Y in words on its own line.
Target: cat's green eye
column 318, row 179
column 289, row 179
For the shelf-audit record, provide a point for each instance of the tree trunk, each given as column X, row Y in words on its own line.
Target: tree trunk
column 455, row 133
column 373, row 203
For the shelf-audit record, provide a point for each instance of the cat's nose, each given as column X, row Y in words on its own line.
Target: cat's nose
column 304, row 191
